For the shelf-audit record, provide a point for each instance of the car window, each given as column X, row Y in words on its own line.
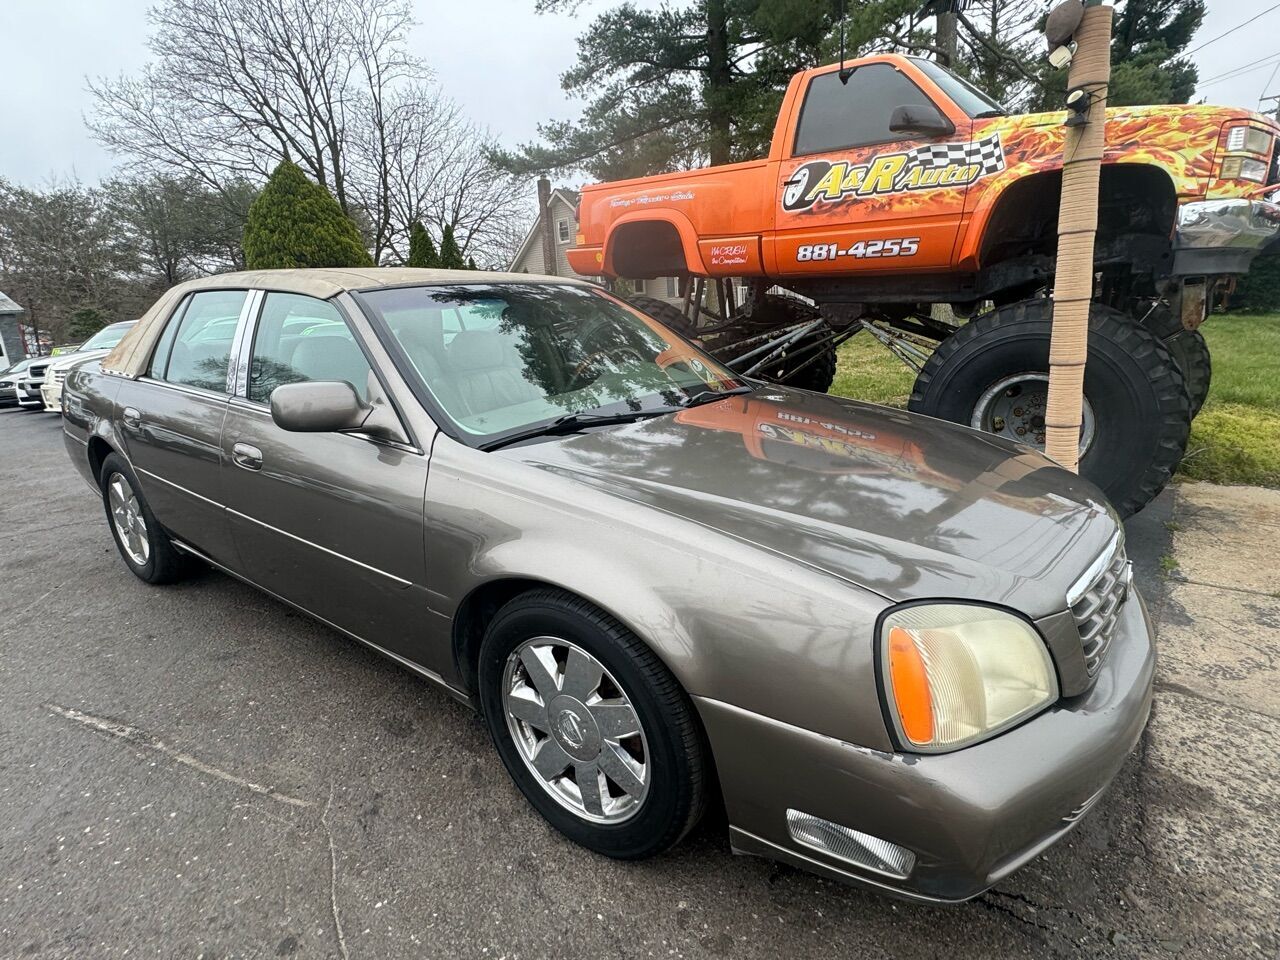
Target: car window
column 320, row 347
column 195, row 349
column 836, row 115
column 107, row 337
column 525, row 354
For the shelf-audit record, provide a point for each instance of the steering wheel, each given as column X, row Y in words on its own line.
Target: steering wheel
column 615, row 355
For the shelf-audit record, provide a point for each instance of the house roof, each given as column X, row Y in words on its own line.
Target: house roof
column 7, row 305
column 567, row 196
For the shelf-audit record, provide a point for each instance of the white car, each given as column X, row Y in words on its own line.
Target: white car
column 9, row 382
column 57, row 368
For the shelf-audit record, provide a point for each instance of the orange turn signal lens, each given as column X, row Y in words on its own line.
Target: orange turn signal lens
column 910, row 683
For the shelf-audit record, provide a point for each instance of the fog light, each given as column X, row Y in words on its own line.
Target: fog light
column 852, row 846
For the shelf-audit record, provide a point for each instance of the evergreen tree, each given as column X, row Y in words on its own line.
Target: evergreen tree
column 450, row 253
column 471, row 263
column 297, row 223
column 677, row 86
column 422, row 249
column 84, row 323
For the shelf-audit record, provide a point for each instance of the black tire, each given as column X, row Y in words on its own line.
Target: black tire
column 793, row 367
column 163, row 563
column 675, row 752
column 1189, row 350
column 1141, row 409
column 667, row 314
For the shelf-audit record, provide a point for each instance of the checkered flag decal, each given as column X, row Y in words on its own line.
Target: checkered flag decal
column 987, row 153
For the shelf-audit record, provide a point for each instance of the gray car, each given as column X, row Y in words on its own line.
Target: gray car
column 900, row 652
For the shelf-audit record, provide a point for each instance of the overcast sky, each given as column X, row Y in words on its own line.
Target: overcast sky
column 501, row 60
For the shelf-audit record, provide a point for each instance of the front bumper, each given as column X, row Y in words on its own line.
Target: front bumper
column 1223, row 236
column 51, row 394
column 970, row 817
column 28, row 394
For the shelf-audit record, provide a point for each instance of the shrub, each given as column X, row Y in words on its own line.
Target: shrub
column 422, row 250
column 450, row 253
column 1259, row 290
column 296, row 223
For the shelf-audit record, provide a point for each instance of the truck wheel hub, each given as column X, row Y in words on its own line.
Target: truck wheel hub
column 1015, row 406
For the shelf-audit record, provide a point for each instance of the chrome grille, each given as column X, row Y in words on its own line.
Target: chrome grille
column 1096, row 600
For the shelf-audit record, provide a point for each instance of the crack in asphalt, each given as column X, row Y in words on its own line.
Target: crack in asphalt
column 122, row 731
column 333, row 877
column 1169, row 686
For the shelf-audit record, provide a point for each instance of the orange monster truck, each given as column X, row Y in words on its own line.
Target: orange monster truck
column 899, row 185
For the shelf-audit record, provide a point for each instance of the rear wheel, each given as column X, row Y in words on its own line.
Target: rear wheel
column 797, row 366
column 592, row 727
column 1188, row 348
column 666, row 313
column 993, row 374
column 144, row 547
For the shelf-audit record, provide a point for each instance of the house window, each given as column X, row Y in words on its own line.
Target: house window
column 562, row 230
column 673, row 287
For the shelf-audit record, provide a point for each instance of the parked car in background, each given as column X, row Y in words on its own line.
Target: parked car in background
column 95, row 348
column 9, row 382
column 909, row 653
column 27, row 387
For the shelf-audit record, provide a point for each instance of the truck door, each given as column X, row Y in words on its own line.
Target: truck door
column 855, row 195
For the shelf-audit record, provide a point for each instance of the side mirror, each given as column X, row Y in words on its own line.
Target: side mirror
column 320, row 406
column 925, row 120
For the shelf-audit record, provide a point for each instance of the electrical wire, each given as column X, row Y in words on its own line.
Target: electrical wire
column 1241, row 66
column 1232, row 30
column 1234, row 74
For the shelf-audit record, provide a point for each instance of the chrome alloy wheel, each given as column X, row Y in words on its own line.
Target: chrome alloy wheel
column 126, row 514
column 1014, row 408
column 576, row 730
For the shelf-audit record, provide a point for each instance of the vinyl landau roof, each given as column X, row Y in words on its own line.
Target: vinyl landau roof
column 129, row 358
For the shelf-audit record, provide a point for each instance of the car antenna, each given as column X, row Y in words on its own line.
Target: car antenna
column 845, row 72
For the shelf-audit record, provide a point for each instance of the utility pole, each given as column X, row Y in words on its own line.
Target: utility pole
column 1077, row 228
column 547, row 227
column 946, row 38
column 1277, row 102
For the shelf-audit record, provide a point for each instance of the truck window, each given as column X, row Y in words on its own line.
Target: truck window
column 836, row 116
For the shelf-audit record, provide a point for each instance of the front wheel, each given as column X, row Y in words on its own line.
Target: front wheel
column 993, row 374
column 594, row 730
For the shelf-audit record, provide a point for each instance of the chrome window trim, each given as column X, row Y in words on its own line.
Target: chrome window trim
column 187, row 389
column 238, row 367
column 1086, row 579
column 334, row 553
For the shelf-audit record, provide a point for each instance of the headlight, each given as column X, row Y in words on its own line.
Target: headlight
column 954, row 674
column 1248, row 139
column 1243, row 168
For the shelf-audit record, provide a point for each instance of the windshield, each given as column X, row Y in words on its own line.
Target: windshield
column 966, row 96
column 504, row 358
column 106, row 337
column 17, row 367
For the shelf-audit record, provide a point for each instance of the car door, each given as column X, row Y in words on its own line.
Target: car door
column 329, row 521
column 171, row 420
column 854, row 195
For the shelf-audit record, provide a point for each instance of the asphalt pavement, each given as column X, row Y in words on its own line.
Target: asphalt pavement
column 199, row 771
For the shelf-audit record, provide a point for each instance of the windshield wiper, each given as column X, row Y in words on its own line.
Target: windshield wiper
column 572, row 423
column 988, row 114
column 711, row 396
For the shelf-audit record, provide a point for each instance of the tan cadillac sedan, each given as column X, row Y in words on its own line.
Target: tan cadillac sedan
column 901, row 652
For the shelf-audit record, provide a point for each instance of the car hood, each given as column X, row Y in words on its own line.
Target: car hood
column 900, row 504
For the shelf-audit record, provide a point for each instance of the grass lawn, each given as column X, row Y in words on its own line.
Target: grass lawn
column 1236, row 437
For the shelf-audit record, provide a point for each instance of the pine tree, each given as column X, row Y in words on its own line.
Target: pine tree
column 450, row 253
column 297, row 223
column 422, row 249
column 471, row 263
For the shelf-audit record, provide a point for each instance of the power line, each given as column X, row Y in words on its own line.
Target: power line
column 1235, row 73
column 1232, row 30
column 1220, row 76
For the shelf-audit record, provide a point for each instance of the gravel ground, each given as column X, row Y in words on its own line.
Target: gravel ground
column 198, row 771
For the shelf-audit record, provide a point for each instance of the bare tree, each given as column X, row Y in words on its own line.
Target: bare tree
column 239, row 85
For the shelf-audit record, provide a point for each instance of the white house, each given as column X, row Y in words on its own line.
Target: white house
column 561, row 205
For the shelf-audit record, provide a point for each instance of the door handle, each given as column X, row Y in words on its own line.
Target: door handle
column 243, row 455
column 131, row 418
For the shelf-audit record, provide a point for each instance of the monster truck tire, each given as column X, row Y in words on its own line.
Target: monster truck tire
column 1188, row 348
column 1141, row 411
column 667, row 314
column 778, row 312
